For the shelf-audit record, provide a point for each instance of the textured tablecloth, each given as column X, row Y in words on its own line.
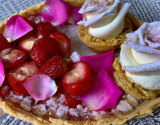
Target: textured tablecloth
column 147, row 10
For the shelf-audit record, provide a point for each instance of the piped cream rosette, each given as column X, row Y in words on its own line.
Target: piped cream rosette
column 140, row 57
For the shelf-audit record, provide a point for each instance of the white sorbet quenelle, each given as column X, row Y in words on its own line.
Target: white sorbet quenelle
column 140, row 57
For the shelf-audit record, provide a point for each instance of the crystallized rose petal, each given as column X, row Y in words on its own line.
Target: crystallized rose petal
column 148, row 33
column 2, row 74
column 101, row 61
column 142, row 48
column 155, row 66
column 16, row 27
column 56, row 11
column 103, row 95
column 40, row 87
column 75, row 16
column 95, row 19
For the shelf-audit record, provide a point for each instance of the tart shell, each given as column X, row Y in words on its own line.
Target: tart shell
column 98, row 45
column 16, row 111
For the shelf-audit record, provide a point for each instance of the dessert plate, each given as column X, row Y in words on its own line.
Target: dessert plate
column 146, row 10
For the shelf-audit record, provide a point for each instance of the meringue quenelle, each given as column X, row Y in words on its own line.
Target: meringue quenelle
column 143, row 66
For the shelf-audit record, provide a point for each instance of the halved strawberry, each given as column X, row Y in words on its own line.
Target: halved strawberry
column 20, row 75
column 4, row 44
column 27, row 43
column 44, row 29
column 63, row 41
column 54, row 67
column 79, row 79
column 45, row 48
column 72, row 101
column 12, row 57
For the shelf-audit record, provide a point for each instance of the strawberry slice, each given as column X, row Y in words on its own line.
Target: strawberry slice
column 27, row 43
column 44, row 29
column 12, row 57
column 20, row 75
column 45, row 48
column 54, row 67
column 4, row 44
column 63, row 41
column 72, row 101
column 78, row 79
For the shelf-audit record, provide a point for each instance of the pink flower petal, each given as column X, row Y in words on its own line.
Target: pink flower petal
column 75, row 16
column 56, row 11
column 2, row 74
column 101, row 61
column 16, row 27
column 103, row 95
column 142, row 48
column 40, row 87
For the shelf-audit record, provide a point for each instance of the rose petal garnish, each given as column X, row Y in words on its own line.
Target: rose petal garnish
column 16, row 27
column 40, row 87
column 142, row 48
column 95, row 19
column 101, row 61
column 75, row 16
column 103, row 95
column 56, row 11
column 155, row 66
column 147, row 33
column 2, row 74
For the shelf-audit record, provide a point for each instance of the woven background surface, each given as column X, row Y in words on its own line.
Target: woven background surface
column 147, row 10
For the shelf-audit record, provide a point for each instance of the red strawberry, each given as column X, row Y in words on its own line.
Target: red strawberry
column 63, row 41
column 45, row 48
column 44, row 29
column 54, row 67
column 21, row 74
column 27, row 43
column 78, row 79
column 4, row 44
column 12, row 57
column 72, row 101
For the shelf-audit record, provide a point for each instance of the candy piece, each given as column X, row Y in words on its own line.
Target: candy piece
column 142, row 48
column 103, row 95
column 16, row 27
column 105, row 13
column 147, row 34
column 56, row 11
column 155, row 66
column 2, row 74
column 40, row 87
column 101, row 61
column 75, row 16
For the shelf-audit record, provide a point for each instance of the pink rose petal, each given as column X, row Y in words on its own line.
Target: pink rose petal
column 56, row 11
column 103, row 95
column 142, row 48
column 101, row 61
column 40, row 87
column 2, row 74
column 16, row 27
column 75, row 16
